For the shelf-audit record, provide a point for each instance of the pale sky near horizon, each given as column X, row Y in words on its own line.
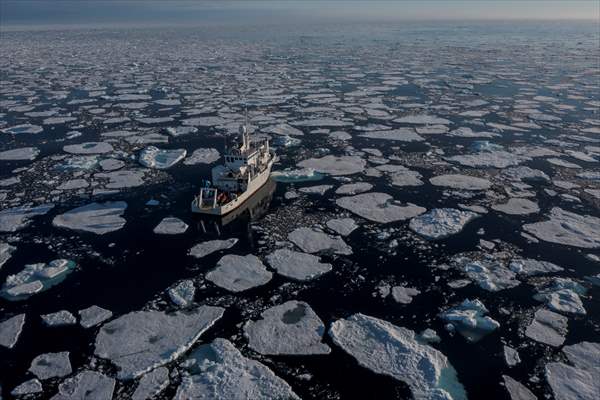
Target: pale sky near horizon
column 173, row 12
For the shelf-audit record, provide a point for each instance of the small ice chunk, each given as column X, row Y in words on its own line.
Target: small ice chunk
column 238, row 273
column 404, row 295
column 567, row 228
column 470, row 320
column 342, row 226
column 140, row 341
column 379, row 207
column 319, row 189
column 516, row 390
column 151, row 384
column 93, row 316
column 205, row 248
column 170, row 226
column 6, row 251
column 490, row 274
column 98, row 218
column 511, row 356
column 547, row 327
column 297, row 175
column 153, row 157
column 10, row 330
column 396, row 352
column 111, row 164
column 218, row 371
column 59, row 318
column 312, row 241
column 51, row 365
column 291, row 328
column 440, row 223
column 183, row 293
column 297, row 265
column 517, row 206
column 86, row 385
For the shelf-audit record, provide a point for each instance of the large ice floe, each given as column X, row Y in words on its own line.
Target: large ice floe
column 297, row 265
column 401, row 135
column 10, row 330
column 516, row 390
column 218, row 371
column 35, row 278
column 440, row 223
column 86, row 385
column 391, row 350
column 312, row 241
column 141, row 341
column 211, row 246
column 469, row 319
column 562, row 295
column 238, row 273
column 579, row 381
column 153, row 157
column 547, row 327
column 14, row 219
column 495, row 159
column 98, row 218
column 379, row 207
column 333, row 165
column 291, row 328
column 568, row 228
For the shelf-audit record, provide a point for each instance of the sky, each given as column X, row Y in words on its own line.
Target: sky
column 180, row 12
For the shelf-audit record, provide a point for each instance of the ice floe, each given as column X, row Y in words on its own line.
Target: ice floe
column 354, row 188
column 395, row 351
column 143, row 340
column 516, row 390
column 511, row 356
column 59, row 318
column 547, row 327
column 517, row 206
column 238, row 273
column 470, row 320
column 218, row 371
column 579, row 381
column 153, row 157
column 332, row 165
column 93, row 316
column 404, row 295
column 489, row 273
column 151, row 384
column 6, row 251
column 342, row 226
column 86, row 385
column 530, row 267
column 202, row 156
column 297, row 265
column 51, row 365
column 31, row 386
column 212, row 246
column 567, row 228
column 401, row 135
column 312, row 241
column 461, row 182
column 20, row 154
column 10, row 330
column 291, row 328
column 98, row 218
column 35, row 278
column 170, row 226
column 440, row 223
column 183, row 293
column 379, row 207
column 89, row 148
column 14, row 219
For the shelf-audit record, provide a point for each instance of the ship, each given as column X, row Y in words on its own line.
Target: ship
column 246, row 168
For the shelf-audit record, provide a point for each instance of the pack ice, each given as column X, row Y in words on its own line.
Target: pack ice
column 98, row 218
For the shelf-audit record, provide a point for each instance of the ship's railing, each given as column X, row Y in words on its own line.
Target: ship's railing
column 207, row 198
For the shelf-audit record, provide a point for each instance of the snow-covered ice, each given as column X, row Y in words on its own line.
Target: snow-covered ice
column 14, row 219
column 567, row 228
column 59, row 318
column 151, row 384
column 470, row 320
column 10, row 330
column 516, row 390
column 153, row 157
column 333, row 165
column 211, row 246
column 395, row 351
column 20, row 154
column 461, row 182
column 89, row 148
column 580, row 381
column 170, row 226
column 51, row 365
column 517, row 206
column 86, row 385
column 312, row 241
column 93, row 316
column 342, row 226
column 202, row 156
column 183, row 293
column 218, row 371
column 440, row 223
column 404, row 295
column 547, row 327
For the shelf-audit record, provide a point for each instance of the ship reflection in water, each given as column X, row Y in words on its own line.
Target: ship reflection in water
column 255, row 207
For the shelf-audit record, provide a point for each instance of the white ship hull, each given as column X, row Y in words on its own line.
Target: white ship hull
column 254, row 185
